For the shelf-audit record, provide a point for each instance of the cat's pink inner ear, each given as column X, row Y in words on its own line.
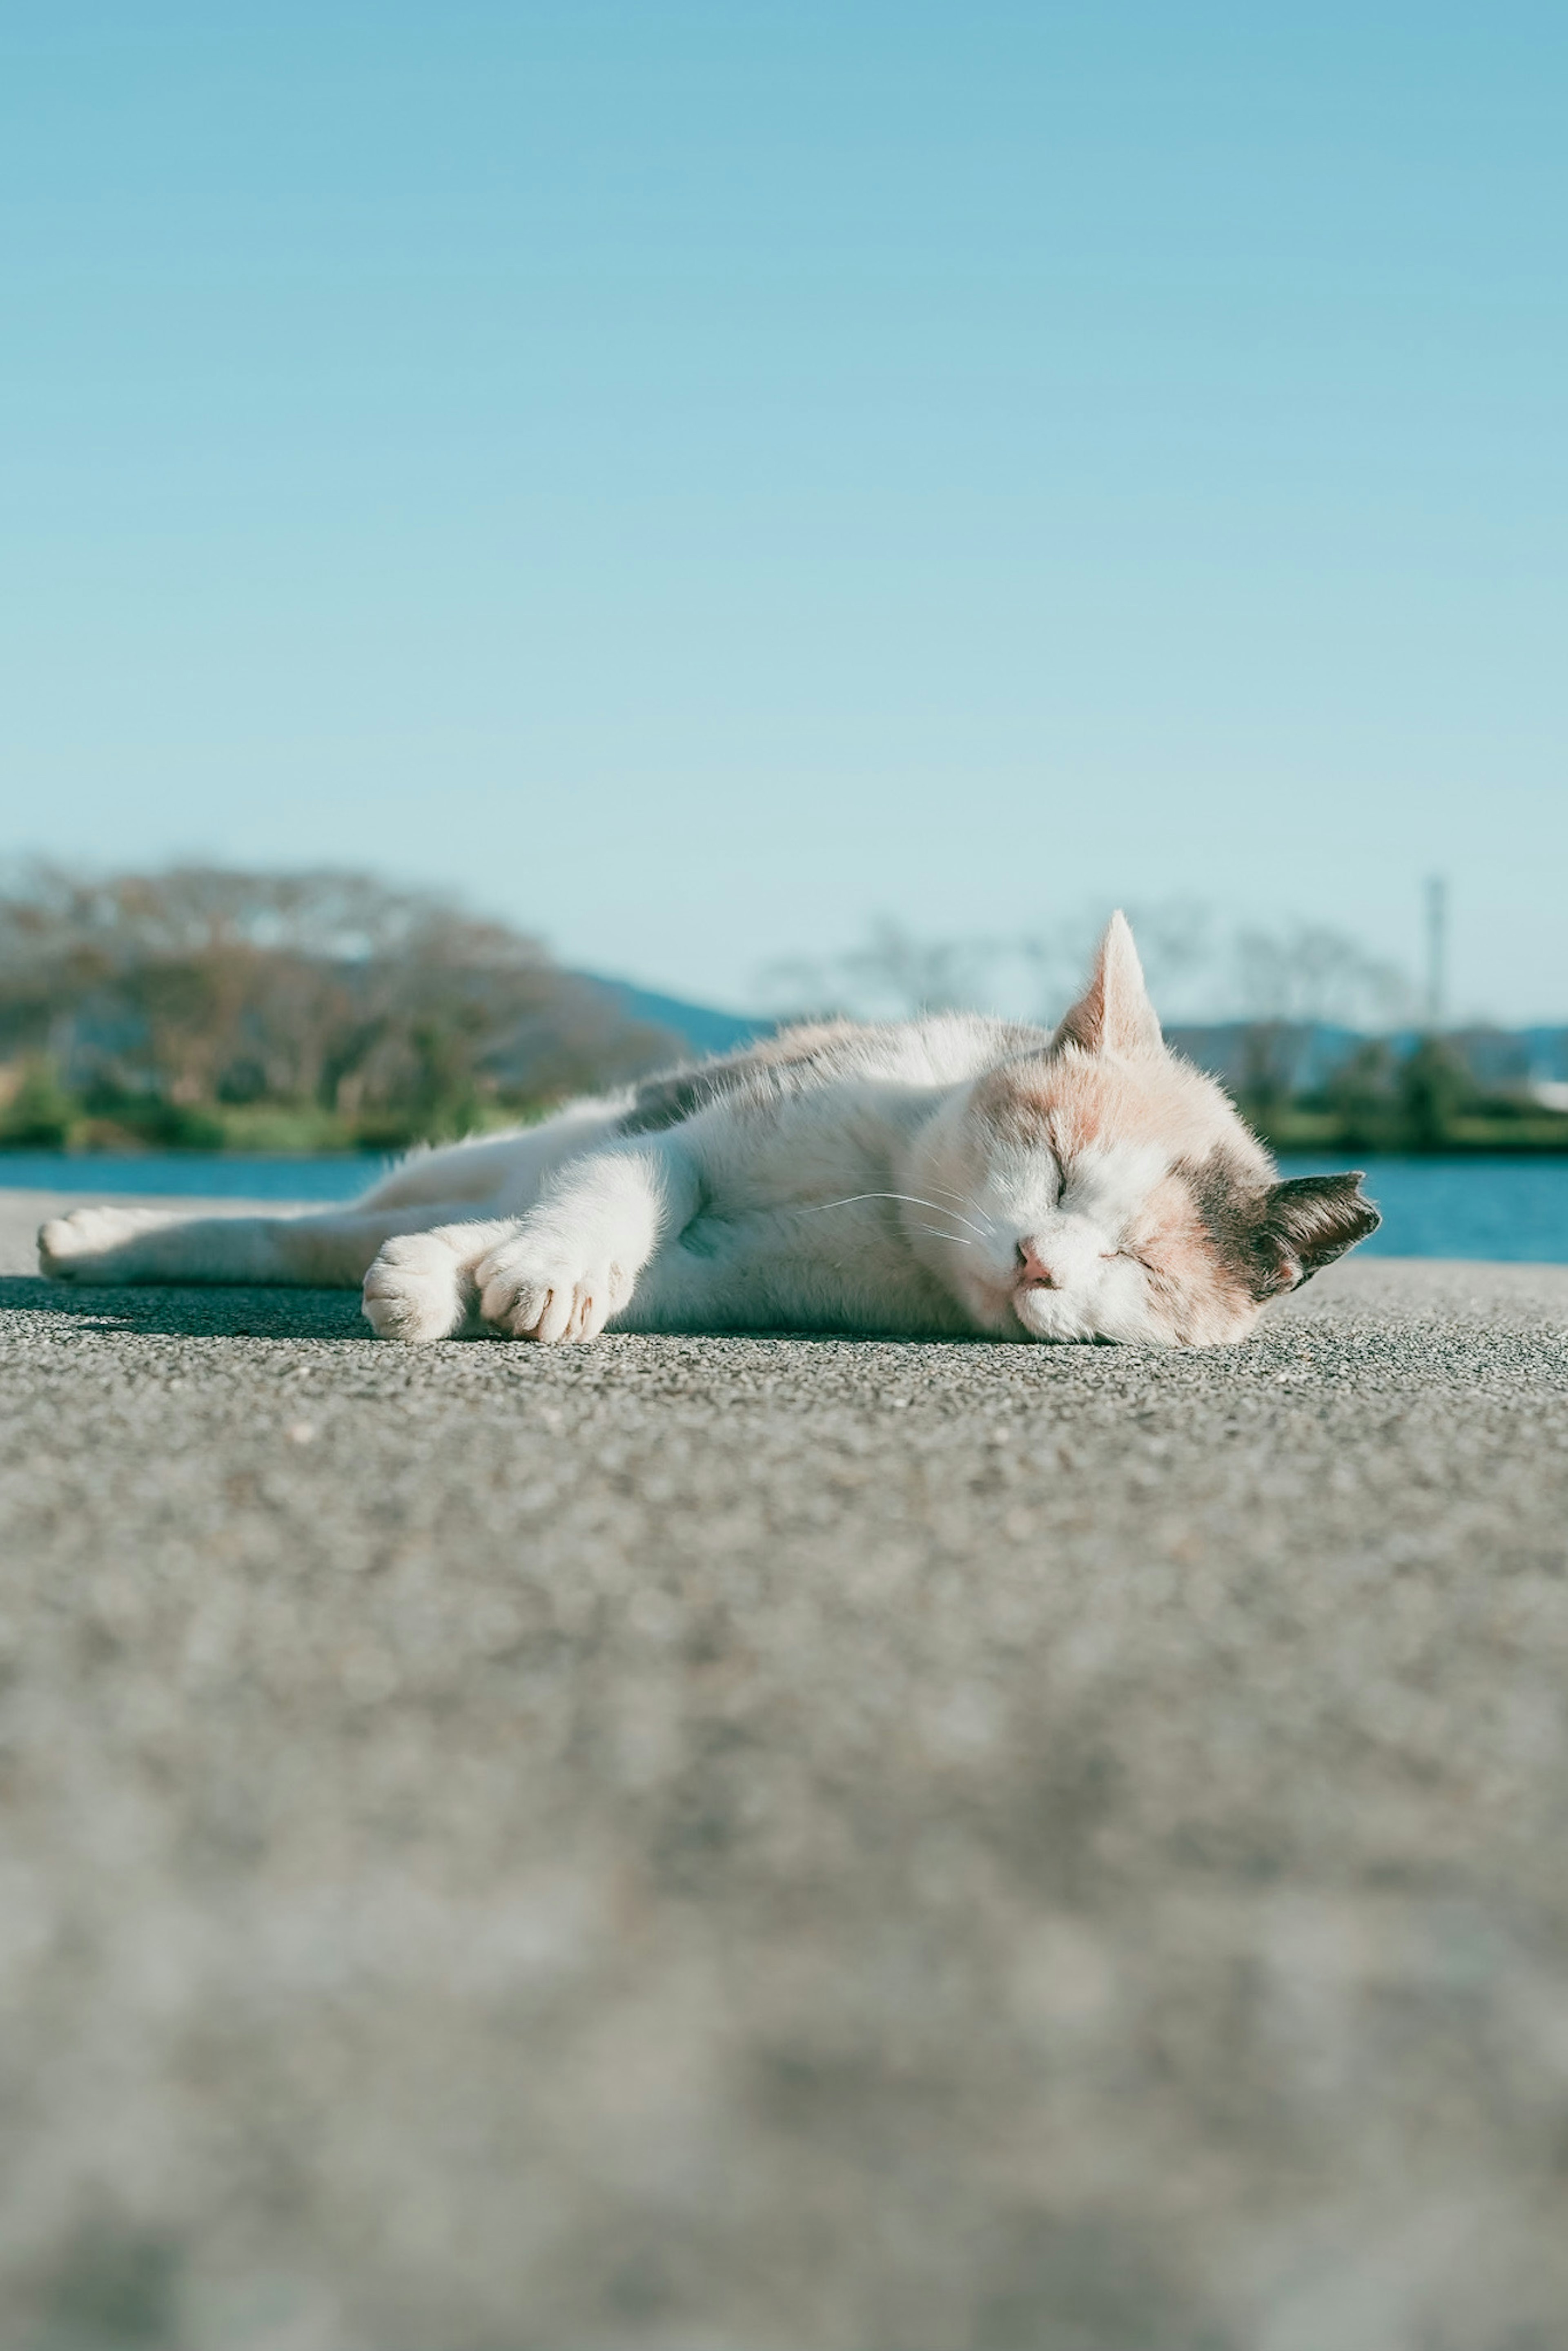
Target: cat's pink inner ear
column 1114, row 1014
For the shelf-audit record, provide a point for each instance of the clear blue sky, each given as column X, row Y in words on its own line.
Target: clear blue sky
column 698, row 476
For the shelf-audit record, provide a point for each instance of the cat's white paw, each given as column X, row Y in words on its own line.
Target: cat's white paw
column 417, row 1289
column 89, row 1245
column 538, row 1286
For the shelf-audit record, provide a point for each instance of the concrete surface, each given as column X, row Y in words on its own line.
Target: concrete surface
column 785, row 1845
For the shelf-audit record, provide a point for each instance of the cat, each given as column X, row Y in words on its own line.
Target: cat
column 945, row 1177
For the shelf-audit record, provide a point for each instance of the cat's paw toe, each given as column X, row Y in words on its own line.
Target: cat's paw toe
column 79, row 1247
column 530, row 1290
column 415, row 1290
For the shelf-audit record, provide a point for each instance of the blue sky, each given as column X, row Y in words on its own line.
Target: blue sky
column 697, row 477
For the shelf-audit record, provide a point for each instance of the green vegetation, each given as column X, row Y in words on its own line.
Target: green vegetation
column 40, row 1115
column 1423, row 1101
column 204, row 1011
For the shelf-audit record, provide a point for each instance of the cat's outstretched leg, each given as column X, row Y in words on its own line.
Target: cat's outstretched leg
column 330, row 1248
column 559, row 1271
column 572, row 1262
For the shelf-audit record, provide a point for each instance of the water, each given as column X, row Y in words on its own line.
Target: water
column 209, row 1174
column 1513, row 1209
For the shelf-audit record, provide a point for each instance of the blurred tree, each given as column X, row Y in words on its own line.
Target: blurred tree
column 38, row 1114
column 1434, row 1090
column 1363, row 1094
column 1268, row 1072
column 392, row 1008
column 897, row 975
column 894, row 975
column 1311, row 973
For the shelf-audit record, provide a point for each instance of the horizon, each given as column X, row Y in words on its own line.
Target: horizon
column 697, row 484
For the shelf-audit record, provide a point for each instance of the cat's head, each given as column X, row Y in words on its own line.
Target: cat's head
column 1106, row 1189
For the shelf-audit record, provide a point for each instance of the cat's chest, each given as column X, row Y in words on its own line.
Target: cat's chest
column 841, row 1264
column 798, row 1224
column 823, row 1214
column 800, row 1201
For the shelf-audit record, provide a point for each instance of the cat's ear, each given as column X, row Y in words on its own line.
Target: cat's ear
column 1114, row 1014
column 1308, row 1223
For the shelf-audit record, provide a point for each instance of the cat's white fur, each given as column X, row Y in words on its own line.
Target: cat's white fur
column 938, row 1176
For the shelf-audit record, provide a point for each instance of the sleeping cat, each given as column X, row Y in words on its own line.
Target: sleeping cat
column 931, row 1178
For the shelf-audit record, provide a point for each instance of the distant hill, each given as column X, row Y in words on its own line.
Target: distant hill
column 699, row 1027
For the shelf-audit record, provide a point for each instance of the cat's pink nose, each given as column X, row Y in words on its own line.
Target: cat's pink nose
column 1033, row 1271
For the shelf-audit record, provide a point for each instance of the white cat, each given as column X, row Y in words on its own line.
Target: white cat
column 930, row 1178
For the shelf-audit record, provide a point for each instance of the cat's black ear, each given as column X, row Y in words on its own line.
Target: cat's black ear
column 1114, row 1014
column 1308, row 1223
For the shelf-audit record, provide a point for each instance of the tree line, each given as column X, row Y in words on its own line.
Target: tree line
column 1314, row 1034
column 198, row 1006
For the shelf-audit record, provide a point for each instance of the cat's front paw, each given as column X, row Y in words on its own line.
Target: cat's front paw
column 90, row 1244
column 538, row 1286
column 417, row 1289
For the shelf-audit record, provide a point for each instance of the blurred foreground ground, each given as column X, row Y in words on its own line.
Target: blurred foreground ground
column 749, row 1845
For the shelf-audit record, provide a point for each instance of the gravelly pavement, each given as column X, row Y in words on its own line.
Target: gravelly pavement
column 785, row 1845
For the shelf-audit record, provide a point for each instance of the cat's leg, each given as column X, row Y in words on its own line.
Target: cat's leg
column 332, row 1249
column 431, row 1285
column 573, row 1260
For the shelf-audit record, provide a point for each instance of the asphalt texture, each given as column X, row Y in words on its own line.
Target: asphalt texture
column 784, row 1845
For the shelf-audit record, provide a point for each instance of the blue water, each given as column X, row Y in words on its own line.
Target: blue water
column 210, row 1175
column 1515, row 1208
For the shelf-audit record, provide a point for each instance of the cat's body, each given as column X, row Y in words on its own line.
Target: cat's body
column 938, row 1177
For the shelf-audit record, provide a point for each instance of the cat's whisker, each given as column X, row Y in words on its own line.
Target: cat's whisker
column 913, row 1200
column 987, row 1222
column 952, row 1195
column 959, row 1240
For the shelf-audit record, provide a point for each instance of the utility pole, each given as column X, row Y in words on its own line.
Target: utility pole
column 1436, row 951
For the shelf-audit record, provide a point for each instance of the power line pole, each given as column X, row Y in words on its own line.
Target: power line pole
column 1436, row 951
